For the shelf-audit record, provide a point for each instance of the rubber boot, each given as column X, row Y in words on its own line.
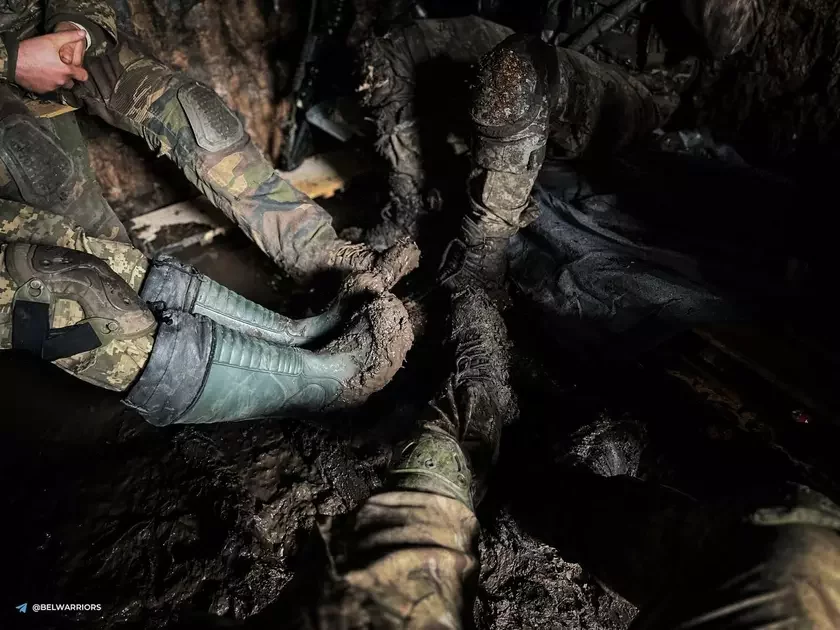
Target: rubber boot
column 173, row 285
column 202, row 372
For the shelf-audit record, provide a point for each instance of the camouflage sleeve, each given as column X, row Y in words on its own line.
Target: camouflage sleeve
column 8, row 56
column 97, row 16
column 4, row 61
column 726, row 26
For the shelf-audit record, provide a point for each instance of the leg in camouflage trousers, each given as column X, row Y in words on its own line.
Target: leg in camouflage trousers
column 408, row 559
column 44, row 163
column 114, row 365
column 210, row 355
column 188, row 122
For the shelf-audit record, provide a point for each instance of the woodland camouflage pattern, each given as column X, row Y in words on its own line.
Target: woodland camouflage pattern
column 149, row 102
column 422, row 564
column 152, row 101
column 81, row 196
column 408, row 560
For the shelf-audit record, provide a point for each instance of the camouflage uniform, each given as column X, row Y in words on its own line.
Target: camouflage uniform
column 183, row 348
column 408, row 557
column 527, row 92
column 43, row 161
column 409, row 560
column 112, row 366
column 49, row 139
column 49, row 196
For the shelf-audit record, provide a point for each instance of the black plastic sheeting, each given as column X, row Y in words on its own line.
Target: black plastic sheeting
column 654, row 244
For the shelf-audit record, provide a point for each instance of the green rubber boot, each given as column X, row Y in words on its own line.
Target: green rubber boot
column 201, row 372
column 178, row 286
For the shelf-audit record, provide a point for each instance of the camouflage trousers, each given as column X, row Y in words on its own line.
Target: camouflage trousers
column 49, row 194
column 408, row 560
column 403, row 560
column 113, row 366
column 43, row 161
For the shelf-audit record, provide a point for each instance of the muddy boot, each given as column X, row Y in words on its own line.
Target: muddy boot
column 386, row 268
column 459, row 439
column 479, row 256
column 201, row 372
column 173, row 285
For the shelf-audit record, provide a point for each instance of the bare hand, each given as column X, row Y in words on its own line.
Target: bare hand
column 73, row 54
column 39, row 66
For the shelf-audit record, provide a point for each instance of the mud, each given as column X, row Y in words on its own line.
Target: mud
column 380, row 336
column 483, row 349
column 507, row 81
column 188, row 527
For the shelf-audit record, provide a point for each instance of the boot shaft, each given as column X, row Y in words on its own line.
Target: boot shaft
column 181, row 287
column 201, row 372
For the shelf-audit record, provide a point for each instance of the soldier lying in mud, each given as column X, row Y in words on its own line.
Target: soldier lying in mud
column 627, row 241
column 408, row 556
column 74, row 291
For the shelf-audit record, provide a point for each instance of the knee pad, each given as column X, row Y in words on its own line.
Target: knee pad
column 215, row 125
column 38, row 165
column 144, row 84
column 516, row 88
column 40, row 276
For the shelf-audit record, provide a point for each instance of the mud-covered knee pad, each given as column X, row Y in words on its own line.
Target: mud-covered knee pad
column 39, row 166
column 102, row 306
column 517, row 87
column 433, row 462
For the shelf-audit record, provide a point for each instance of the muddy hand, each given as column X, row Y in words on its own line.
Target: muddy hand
column 376, row 273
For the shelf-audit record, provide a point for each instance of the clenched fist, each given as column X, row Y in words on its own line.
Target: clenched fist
column 74, row 53
column 39, row 66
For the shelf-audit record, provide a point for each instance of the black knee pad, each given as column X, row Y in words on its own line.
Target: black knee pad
column 39, row 166
column 215, row 125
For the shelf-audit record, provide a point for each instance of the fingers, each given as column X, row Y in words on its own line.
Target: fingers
column 66, row 37
column 66, row 54
column 77, row 73
column 79, row 53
